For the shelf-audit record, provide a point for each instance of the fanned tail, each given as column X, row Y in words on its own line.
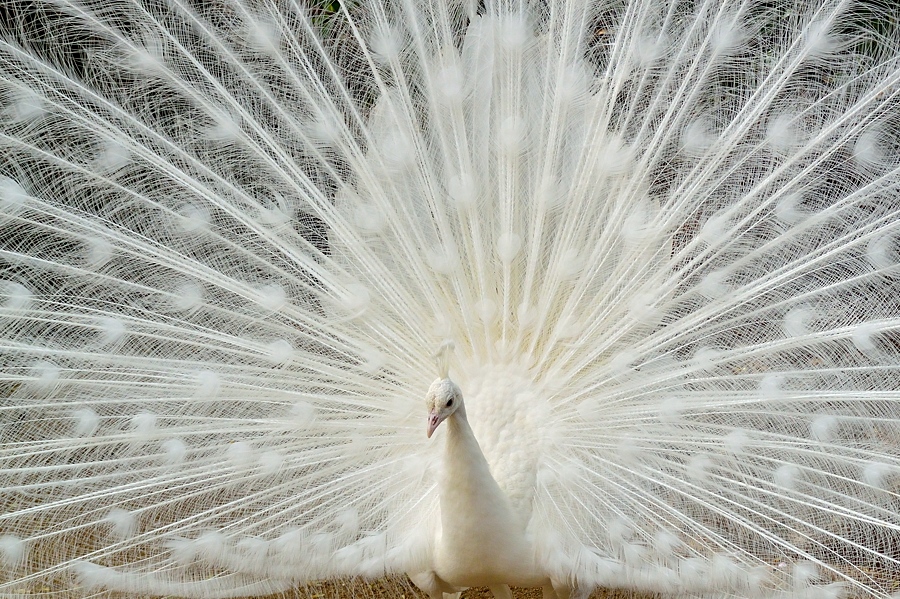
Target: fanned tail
column 664, row 239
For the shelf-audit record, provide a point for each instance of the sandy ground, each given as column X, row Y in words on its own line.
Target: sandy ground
column 400, row 589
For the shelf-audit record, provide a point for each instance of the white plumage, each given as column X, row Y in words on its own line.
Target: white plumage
column 663, row 237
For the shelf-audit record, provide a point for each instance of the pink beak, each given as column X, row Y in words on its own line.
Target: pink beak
column 433, row 421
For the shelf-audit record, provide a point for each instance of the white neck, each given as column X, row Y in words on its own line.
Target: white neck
column 467, row 483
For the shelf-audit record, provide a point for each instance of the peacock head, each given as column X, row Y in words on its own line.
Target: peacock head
column 443, row 399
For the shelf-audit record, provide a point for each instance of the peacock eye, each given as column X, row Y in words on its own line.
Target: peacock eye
column 449, row 403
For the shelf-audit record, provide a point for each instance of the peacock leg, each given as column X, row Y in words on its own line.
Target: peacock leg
column 501, row 592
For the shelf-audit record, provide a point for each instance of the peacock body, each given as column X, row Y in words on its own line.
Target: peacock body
column 663, row 239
